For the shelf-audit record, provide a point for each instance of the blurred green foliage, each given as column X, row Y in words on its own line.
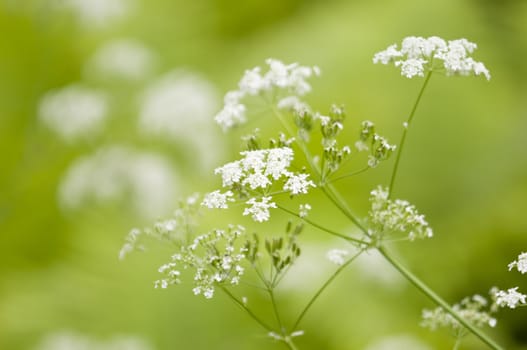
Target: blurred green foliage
column 465, row 167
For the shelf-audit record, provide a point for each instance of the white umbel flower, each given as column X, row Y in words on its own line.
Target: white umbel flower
column 284, row 79
column 419, row 55
column 297, row 184
column 510, row 298
column 520, row 263
column 259, row 211
column 217, row 200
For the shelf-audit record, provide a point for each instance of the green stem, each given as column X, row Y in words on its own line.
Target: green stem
column 348, row 175
column 289, row 342
column 242, row 305
column 322, row 228
column 458, row 343
column 328, row 189
column 405, row 131
column 339, row 202
column 324, row 286
column 433, row 296
column 275, row 310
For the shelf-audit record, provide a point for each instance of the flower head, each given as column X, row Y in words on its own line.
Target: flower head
column 289, row 79
column 419, row 55
column 520, row 263
column 510, row 298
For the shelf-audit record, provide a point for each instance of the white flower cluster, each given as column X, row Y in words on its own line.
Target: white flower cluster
column 74, row 112
column 291, row 79
column 510, row 298
column 419, row 55
column 520, row 263
column 213, row 256
column 256, row 172
column 470, row 309
column 396, row 216
column 175, row 229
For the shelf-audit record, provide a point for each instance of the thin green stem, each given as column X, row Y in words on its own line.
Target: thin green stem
column 321, row 289
column 276, row 313
column 325, row 229
column 433, row 296
column 348, row 175
column 289, row 342
column 243, row 306
column 328, row 189
column 405, row 132
column 339, row 202
column 458, row 343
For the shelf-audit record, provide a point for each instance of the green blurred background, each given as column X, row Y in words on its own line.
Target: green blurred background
column 465, row 166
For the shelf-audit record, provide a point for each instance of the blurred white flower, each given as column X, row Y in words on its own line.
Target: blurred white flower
column 96, row 13
column 179, row 106
column 117, row 173
column 372, row 266
column 337, row 256
column 68, row 340
column 74, row 112
column 398, row 342
column 125, row 59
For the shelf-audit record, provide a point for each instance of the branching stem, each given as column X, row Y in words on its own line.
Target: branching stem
column 405, row 132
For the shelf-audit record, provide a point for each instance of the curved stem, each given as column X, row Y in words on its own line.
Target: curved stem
column 275, row 310
column 290, row 344
column 324, row 286
column 348, row 175
column 322, row 228
column 433, row 296
column 405, row 131
column 458, row 343
column 339, row 202
column 242, row 305
column 328, row 189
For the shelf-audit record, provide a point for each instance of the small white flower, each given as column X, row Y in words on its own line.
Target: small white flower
column 297, row 184
column 217, row 200
column 259, row 211
column 256, row 180
column 520, row 263
column 510, row 298
column 304, row 210
column 232, row 113
column 388, row 55
column 253, row 82
column 337, row 256
column 411, row 67
column 231, row 173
